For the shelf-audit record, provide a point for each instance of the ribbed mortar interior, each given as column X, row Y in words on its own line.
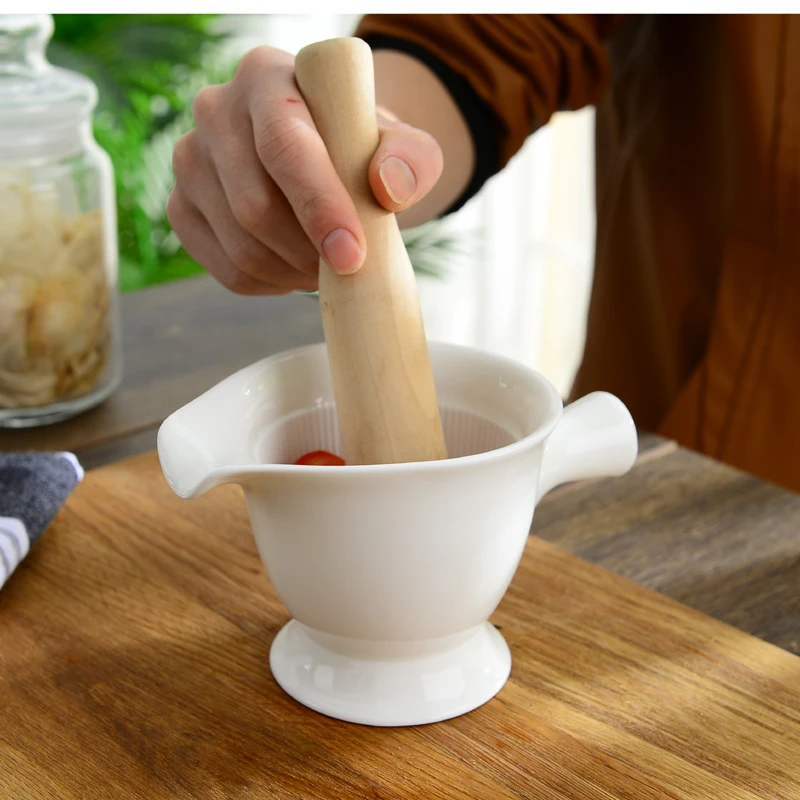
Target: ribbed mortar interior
column 317, row 428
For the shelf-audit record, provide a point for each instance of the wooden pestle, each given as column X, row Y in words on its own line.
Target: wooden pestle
column 380, row 366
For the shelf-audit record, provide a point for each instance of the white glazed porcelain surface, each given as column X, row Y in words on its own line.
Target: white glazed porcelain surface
column 391, row 571
column 391, row 692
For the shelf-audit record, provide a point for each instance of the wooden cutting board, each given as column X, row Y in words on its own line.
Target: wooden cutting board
column 134, row 648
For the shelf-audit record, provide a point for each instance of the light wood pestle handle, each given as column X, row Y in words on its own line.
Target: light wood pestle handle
column 378, row 354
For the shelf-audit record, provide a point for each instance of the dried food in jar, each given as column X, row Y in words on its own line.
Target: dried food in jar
column 54, row 299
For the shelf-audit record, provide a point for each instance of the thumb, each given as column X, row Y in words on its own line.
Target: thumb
column 406, row 165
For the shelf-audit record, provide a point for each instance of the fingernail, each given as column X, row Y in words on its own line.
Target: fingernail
column 398, row 179
column 342, row 251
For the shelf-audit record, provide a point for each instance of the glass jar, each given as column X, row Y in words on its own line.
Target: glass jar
column 60, row 348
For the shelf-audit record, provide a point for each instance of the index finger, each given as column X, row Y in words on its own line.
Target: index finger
column 295, row 156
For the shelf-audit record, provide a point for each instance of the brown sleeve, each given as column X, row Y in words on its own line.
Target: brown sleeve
column 522, row 67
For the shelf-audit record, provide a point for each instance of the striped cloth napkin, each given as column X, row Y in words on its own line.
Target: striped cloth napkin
column 33, row 488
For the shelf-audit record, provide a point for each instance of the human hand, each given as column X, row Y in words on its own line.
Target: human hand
column 257, row 200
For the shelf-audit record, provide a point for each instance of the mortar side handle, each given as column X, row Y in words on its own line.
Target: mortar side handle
column 595, row 438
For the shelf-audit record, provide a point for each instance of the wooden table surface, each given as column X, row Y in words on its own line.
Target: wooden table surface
column 134, row 664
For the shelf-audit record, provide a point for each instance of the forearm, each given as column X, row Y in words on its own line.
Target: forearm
column 410, row 90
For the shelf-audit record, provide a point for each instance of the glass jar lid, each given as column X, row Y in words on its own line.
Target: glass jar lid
column 36, row 98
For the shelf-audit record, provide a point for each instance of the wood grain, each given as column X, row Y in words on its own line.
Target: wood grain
column 134, row 664
column 179, row 340
column 377, row 350
column 719, row 540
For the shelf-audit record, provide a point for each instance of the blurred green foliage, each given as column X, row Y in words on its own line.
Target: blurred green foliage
column 147, row 68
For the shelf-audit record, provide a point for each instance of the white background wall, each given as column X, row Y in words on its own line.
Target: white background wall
column 522, row 288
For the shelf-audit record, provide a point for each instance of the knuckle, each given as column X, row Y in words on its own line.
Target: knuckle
column 184, row 155
column 254, row 60
column 278, row 142
column 243, row 255
column 250, row 209
column 264, row 58
column 206, row 104
column 311, row 205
